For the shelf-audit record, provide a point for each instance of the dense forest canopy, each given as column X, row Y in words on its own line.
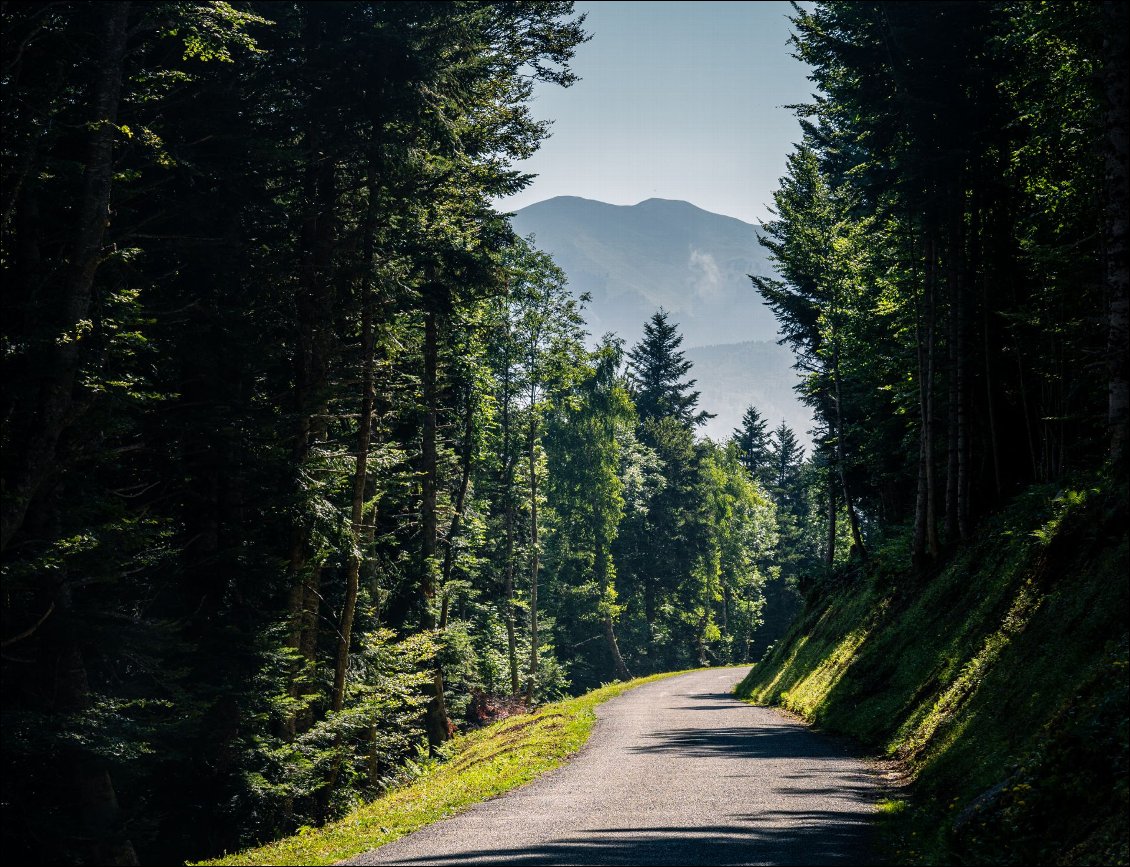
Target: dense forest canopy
column 305, row 461
column 306, row 465
column 951, row 244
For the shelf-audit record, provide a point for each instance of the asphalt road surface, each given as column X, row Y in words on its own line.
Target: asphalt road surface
column 676, row 772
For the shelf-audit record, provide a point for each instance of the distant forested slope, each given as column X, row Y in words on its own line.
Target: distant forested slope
column 635, row 259
column 734, row 376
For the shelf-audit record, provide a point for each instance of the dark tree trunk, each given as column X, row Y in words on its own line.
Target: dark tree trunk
column 957, row 463
column 618, row 666
column 508, row 459
column 925, row 519
column 508, row 604
column 360, row 477
column 841, row 459
column 830, row 551
column 990, row 399
column 99, row 834
column 436, row 721
column 460, row 502
column 531, row 455
column 1116, row 184
column 951, row 388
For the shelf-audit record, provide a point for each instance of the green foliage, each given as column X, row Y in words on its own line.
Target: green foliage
column 289, row 189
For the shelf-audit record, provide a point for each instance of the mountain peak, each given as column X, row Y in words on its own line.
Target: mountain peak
column 654, row 205
column 669, row 203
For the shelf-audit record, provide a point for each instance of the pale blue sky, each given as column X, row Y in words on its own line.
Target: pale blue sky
column 679, row 100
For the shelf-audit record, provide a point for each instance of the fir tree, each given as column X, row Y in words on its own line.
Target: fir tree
column 657, row 368
column 752, row 443
column 786, row 456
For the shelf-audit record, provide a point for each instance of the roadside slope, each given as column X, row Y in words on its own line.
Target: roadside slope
column 1000, row 681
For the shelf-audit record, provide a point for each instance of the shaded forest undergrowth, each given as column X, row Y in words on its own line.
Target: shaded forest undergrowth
column 1000, row 680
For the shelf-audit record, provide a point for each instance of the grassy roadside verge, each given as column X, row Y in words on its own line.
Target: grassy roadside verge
column 483, row 764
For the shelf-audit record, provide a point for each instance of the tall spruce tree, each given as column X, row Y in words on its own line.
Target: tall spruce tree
column 657, row 367
column 752, row 443
column 786, row 456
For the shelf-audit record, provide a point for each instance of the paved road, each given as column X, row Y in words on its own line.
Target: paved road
column 676, row 772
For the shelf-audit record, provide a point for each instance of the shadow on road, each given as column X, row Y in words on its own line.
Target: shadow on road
column 754, row 741
column 822, row 838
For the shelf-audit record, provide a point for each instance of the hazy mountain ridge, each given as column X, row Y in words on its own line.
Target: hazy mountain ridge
column 633, row 259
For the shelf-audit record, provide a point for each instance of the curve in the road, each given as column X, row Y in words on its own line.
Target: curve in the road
column 676, row 772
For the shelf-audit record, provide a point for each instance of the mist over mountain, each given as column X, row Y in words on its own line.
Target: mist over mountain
column 634, row 259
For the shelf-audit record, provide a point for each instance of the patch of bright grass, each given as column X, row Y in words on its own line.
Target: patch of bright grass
column 483, row 764
column 891, row 806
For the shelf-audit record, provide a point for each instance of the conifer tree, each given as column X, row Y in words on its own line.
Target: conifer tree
column 752, row 443
column 786, row 456
column 657, row 369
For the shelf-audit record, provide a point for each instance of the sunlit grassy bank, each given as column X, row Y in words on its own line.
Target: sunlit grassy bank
column 1001, row 681
column 483, row 763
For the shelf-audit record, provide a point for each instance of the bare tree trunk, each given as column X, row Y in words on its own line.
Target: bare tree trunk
column 437, row 723
column 460, row 503
column 986, row 345
column 531, row 454
column 932, row 543
column 618, row 665
column 508, row 604
column 1035, row 462
column 957, row 469
column 952, row 362
column 360, row 475
column 853, row 518
column 60, row 362
column 1116, row 183
column 962, row 374
column 830, row 551
column 508, row 482
column 925, row 520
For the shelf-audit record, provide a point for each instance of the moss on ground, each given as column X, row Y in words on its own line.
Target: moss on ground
column 482, row 764
column 1000, row 682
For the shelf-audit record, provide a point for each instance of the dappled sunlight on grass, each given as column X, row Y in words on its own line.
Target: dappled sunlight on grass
column 811, row 690
column 915, row 737
column 985, row 677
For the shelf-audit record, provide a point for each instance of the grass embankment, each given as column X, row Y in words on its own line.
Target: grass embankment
column 482, row 764
column 1000, row 681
